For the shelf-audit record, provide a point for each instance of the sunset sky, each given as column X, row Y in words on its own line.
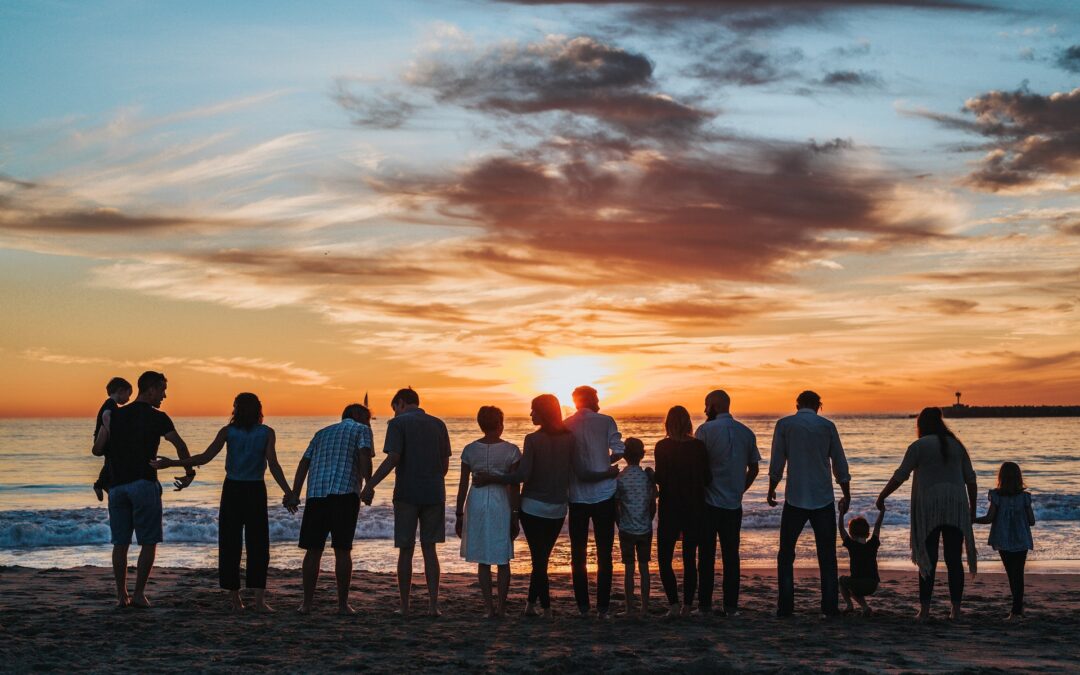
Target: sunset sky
column 489, row 200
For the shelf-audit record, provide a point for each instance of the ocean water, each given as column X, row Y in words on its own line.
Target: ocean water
column 49, row 516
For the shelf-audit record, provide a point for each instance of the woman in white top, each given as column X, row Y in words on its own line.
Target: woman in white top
column 487, row 516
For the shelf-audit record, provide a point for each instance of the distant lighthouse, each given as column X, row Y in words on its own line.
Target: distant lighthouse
column 957, row 399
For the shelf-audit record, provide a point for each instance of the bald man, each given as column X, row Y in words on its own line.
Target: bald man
column 733, row 460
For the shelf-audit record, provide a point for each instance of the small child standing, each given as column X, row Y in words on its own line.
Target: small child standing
column 862, row 550
column 119, row 391
column 1011, row 518
column 635, row 496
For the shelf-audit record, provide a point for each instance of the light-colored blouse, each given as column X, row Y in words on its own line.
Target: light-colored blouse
column 939, row 494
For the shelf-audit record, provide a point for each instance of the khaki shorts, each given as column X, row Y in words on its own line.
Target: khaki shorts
column 430, row 517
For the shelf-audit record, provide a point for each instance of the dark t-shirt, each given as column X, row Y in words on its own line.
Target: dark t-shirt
column 108, row 406
column 864, row 558
column 682, row 472
column 134, row 434
column 424, row 447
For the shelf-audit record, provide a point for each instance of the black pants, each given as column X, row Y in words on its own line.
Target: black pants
column 602, row 516
column 541, row 535
column 667, row 533
column 725, row 525
column 1014, row 567
column 792, row 522
column 242, row 519
column 954, row 547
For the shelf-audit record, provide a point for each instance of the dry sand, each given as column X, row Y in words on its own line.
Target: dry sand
column 62, row 620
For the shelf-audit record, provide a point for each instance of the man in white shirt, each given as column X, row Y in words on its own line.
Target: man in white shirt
column 810, row 446
column 733, row 463
column 592, row 496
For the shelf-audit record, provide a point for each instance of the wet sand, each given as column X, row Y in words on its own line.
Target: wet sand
column 62, row 620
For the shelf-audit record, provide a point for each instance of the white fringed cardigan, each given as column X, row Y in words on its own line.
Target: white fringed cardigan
column 938, row 494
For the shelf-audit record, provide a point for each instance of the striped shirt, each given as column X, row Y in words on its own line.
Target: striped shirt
column 333, row 453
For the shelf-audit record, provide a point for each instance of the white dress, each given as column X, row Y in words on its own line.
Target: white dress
column 485, row 534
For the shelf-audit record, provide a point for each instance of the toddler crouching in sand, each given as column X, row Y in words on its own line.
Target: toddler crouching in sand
column 862, row 549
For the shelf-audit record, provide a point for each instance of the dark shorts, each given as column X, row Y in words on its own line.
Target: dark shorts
column 135, row 507
column 859, row 587
column 334, row 515
column 641, row 544
column 430, row 517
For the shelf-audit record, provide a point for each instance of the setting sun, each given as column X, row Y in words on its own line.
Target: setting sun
column 560, row 375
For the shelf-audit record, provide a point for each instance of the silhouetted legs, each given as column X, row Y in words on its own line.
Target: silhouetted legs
column 792, row 522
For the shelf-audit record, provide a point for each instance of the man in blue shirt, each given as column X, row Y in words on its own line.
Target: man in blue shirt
column 418, row 451
column 733, row 462
column 809, row 445
column 338, row 459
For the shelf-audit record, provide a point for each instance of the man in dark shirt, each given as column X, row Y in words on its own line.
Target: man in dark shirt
column 418, row 451
column 130, row 441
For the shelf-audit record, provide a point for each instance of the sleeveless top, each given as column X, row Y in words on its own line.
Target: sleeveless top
column 245, row 454
column 1010, row 531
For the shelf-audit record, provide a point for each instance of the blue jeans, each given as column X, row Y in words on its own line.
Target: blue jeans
column 792, row 522
column 135, row 507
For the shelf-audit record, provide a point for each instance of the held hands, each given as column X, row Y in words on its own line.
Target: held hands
column 163, row 463
column 367, row 494
column 880, row 503
column 291, row 501
column 771, row 498
column 459, row 524
column 844, row 504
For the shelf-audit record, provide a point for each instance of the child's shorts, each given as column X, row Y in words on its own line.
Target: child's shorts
column 639, row 543
column 859, row 587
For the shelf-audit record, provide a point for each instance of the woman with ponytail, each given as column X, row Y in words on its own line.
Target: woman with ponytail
column 943, row 494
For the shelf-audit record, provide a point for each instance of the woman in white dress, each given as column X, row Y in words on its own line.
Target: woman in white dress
column 487, row 516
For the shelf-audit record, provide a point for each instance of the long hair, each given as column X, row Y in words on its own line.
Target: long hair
column 932, row 423
column 678, row 424
column 549, row 412
column 1010, row 479
column 247, row 411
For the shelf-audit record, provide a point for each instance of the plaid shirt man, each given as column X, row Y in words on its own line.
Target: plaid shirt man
column 333, row 453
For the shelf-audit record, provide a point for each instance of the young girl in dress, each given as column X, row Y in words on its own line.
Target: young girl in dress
column 1010, row 518
column 487, row 516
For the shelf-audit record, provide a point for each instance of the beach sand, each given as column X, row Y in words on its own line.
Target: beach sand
column 62, row 619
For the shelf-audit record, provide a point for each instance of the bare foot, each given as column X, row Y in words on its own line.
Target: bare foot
column 954, row 613
column 923, row 614
column 673, row 611
column 346, row 610
column 123, row 602
column 303, row 609
column 434, row 612
column 235, row 603
column 583, row 612
column 603, row 616
column 530, row 610
column 100, row 493
column 1014, row 617
column 687, row 610
column 263, row 607
column 141, row 601
column 403, row 612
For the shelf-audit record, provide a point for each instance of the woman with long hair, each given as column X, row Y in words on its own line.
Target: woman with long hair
column 544, row 472
column 943, row 494
column 242, row 516
column 682, row 472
